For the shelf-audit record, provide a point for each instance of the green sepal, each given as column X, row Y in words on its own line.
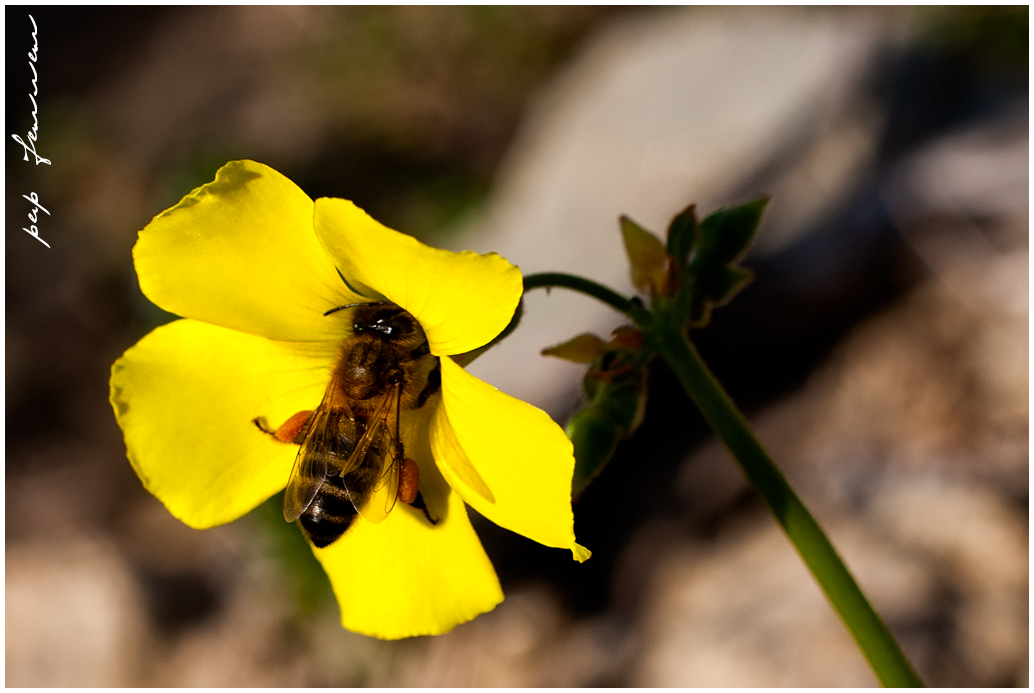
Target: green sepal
column 682, row 234
column 716, row 288
column 646, row 255
column 585, row 348
column 711, row 274
column 725, row 234
column 595, row 438
column 615, row 394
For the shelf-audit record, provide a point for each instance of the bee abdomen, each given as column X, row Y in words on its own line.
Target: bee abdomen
column 329, row 515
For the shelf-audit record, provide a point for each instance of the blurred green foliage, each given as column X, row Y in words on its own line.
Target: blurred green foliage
column 694, row 270
column 995, row 37
column 426, row 99
column 614, row 388
column 284, row 543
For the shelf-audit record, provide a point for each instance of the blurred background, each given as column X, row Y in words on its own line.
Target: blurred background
column 881, row 352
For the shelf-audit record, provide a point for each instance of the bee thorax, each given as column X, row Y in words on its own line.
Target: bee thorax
column 368, row 368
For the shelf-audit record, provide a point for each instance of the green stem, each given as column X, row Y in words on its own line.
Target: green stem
column 865, row 625
column 836, row 581
column 547, row 280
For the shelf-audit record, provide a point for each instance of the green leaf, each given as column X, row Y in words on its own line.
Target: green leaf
column 615, row 391
column 595, row 438
column 725, row 234
column 711, row 275
column 682, row 234
column 716, row 289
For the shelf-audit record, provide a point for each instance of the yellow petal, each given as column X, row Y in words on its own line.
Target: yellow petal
column 185, row 397
column 240, row 252
column 520, row 454
column 405, row 577
column 462, row 300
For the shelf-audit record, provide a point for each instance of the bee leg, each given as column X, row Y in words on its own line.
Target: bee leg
column 409, row 488
column 260, row 424
column 291, row 431
column 409, row 481
column 419, row 504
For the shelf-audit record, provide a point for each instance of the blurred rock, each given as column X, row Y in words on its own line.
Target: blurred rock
column 187, row 575
column 74, row 616
column 527, row 641
column 73, row 495
column 975, row 542
column 746, row 612
column 258, row 639
column 685, row 106
column 915, row 434
column 243, row 645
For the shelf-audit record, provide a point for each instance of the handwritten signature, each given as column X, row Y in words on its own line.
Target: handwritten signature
column 33, row 215
column 32, row 134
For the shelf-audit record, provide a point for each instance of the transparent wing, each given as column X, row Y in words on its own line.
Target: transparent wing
column 386, row 478
column 307, row 476
column 373, row 482
column 328, row 440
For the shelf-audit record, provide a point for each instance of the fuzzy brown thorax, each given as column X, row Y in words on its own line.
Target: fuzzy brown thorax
column 387, row 348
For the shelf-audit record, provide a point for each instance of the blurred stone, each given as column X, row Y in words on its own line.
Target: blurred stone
column 244, row 645
column 915, row 433
column 746, row 612
column 74, row 495
column 682, row 107
column 257, row 639
column 74, row 616
column 980, row 171
column 187, row 575
column 527, row 641
column 156, row 540
column 340, row 658
column 977, row 543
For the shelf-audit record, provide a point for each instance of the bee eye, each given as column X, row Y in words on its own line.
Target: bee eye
column 400, row 324
column 392, row 323
column 380, row 325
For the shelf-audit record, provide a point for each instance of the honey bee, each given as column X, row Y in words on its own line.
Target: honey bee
column 351, row 461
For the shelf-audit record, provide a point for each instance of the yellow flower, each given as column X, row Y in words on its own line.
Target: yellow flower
column 252, row 264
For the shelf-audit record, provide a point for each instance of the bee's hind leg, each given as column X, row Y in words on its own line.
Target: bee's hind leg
column 409, row 488
column 292, row 430
column 419, row 504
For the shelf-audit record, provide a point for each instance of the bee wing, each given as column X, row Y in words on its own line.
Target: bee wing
column 384, row 475
column 307, row 476
column 329, row 430
column 373, row 485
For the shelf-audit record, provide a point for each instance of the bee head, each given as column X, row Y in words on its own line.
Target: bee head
column 385, row 319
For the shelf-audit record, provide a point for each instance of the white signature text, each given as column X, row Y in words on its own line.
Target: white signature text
column 34, row 216
column 32, row 134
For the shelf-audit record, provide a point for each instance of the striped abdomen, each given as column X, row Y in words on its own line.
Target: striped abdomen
column 329, row 514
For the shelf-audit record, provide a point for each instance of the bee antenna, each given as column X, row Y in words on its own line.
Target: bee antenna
column 353, row 305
